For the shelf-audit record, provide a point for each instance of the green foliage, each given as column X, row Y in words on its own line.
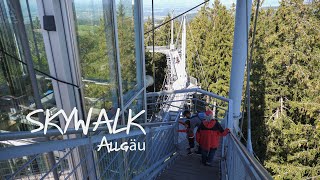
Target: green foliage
column 95, row 64
column 98, row 57
column 160, row 61
column 93, row 54
column 293, row 148
column 126, row 40
column 289, row 49
column 213, row 37
column 36, row 44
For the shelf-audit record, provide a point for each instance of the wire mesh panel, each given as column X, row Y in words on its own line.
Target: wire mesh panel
column 241, row 164
column 120, row 160
column 36, row 166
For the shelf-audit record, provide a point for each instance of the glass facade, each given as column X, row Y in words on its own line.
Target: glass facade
column 126, row 35
column 109, row 43
column 101, row 43
column 108, row 39
column 16, row 91
column 97, row 53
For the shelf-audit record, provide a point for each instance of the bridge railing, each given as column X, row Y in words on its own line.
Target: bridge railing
column 79, row 158
column 240, row 164
column 158, row 109
column 26, row 155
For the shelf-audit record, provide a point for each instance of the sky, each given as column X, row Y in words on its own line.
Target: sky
column 163, row 7
column 191, row 3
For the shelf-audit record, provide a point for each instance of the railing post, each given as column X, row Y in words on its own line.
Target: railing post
column 230, row 122
column 224, row 138
column 226, row 141
column 176, row 134
column 90, row 152
column 149, row 145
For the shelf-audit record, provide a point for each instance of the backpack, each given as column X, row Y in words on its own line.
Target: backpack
column 200, row 115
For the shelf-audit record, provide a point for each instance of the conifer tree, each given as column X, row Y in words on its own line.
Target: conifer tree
column 197, row 32
column 217, row 50
column 286, row 82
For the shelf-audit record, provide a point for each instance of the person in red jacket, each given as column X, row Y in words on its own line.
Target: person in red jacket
column 190, row 135
column 208, row 136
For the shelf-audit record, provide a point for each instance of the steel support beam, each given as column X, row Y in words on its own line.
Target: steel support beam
column 239, row 56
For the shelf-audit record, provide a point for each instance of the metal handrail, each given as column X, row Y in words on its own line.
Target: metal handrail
column 55, row 132
column 212, row 105
column 252, row 162
column 47, row 146
column 195, row 90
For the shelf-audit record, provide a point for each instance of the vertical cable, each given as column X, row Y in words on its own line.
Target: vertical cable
column 153, row 62
column 249, row 143
column 249, row 62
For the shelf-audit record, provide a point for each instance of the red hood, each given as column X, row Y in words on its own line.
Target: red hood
column 209, row 124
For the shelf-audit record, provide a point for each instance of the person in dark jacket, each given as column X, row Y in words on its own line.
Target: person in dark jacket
column 195, row 121
column 208, row 136
column 190, row 135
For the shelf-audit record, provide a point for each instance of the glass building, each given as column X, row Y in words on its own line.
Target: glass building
column 64, row 55
column 53, row 58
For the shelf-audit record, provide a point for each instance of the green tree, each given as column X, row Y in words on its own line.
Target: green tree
column 285, row 90
column 126, row 40
column 293, row 149
column 213, row 43
column 160, row 61
column 197, row 33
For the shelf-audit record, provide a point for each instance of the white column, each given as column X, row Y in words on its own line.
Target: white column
column 172, row 24
column 239, row 56
column 184, row 40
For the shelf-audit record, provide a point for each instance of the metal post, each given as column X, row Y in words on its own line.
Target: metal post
column 116, row 44
column 239, row 56
column 172, row 28
column 172, row 34
column 143, row 63
column 183, row 40
column 16, row 11
column 230, row 115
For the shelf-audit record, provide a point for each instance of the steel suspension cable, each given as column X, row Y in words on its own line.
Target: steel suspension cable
column 197, row 53
column 37, row 70
column 176, row 16
column 249, row 62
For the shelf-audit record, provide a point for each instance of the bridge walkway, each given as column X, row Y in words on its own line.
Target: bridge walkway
column 189, row 167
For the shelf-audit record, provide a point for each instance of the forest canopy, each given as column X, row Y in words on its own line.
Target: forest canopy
column 285, row 78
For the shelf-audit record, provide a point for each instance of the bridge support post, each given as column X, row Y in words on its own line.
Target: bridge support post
column 239, row 57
